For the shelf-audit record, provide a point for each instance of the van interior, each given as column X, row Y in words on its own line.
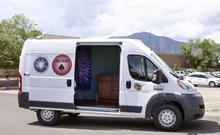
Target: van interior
column 97, row 77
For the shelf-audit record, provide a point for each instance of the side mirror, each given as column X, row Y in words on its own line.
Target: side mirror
column 157, row 76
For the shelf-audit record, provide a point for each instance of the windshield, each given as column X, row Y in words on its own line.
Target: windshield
column 164, row 64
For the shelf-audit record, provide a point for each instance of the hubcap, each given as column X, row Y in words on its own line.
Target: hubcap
column 47, row 115
column 212, row 84
column 167, row 118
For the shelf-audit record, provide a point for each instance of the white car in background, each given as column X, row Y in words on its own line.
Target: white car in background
column 180, row 74
column 190, row 71
column 203, row 79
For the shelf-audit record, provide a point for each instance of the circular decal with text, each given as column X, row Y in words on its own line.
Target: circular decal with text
column 41, row 64
column 62, row 64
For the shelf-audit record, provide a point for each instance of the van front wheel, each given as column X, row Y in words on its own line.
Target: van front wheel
column 167, row 117
column 48, row 117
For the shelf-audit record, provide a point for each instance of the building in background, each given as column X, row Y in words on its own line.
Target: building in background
column 51, row 36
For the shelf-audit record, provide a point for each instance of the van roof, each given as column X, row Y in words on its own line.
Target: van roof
column 88, row 40
column 68, row 45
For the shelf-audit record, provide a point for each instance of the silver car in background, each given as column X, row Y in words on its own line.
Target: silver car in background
column 198, row 78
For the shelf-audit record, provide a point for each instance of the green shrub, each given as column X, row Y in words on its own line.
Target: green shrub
column 176, row 67
column 199, row 68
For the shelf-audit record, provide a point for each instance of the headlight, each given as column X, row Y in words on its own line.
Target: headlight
column 186, row 85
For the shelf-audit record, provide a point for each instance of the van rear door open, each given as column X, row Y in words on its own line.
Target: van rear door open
column 54, row 88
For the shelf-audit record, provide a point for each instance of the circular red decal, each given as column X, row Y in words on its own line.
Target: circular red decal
column 62, row 64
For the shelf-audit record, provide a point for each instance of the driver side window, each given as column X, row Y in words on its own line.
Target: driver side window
column 150, row 67
column 137, row 67
column 140, row 67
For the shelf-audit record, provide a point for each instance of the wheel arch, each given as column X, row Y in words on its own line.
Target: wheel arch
column 164, row 98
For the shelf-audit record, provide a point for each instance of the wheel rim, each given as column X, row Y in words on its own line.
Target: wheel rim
column 47, row 115
column 212, row 84
column 167, row 118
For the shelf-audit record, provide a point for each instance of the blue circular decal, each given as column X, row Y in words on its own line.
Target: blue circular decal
column 41, row 64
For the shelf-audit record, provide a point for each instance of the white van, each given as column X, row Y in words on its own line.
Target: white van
column 110, row 76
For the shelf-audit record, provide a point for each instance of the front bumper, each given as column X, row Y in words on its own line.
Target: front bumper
column 218, row 84
column 195, row 108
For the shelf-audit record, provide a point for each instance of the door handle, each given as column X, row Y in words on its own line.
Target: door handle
column 128, row 84
column 69, row 82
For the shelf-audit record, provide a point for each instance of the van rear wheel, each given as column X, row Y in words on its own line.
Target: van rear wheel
column 48, row 117
column 167, row 117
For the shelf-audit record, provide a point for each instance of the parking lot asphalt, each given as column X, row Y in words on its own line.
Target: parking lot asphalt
column 15, row 120
column 211, row 98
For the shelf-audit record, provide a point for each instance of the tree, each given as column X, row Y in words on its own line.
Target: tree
column 187, row 51
column 206, row 51
column 200, row 53
column 13, row 32
column 10, row 50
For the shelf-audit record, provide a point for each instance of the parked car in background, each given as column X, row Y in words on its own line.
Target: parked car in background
column 215, row 74
column 180, row 74
column 190, row 71
column 198, row 78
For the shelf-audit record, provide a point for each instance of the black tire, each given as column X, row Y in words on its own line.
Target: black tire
column 51, row 120
column 73, row 114
column 212, row 84
column 161, row 116
column 195, row 85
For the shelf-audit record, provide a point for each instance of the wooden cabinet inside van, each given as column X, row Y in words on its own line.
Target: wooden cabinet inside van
column 108, row 87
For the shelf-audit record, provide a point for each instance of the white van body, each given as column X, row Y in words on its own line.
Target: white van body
column 169, row 102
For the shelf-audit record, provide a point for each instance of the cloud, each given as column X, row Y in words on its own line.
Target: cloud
column 56, row 16
column 180, row 20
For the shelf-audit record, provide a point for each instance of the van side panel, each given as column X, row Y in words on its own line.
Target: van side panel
column 49, row 89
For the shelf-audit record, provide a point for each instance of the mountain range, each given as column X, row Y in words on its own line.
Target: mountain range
column 156, row 43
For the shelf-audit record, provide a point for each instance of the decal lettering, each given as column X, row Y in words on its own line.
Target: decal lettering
column 158, row 87
column 62, row 64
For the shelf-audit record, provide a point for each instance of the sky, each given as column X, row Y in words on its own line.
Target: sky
column 179, row 20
